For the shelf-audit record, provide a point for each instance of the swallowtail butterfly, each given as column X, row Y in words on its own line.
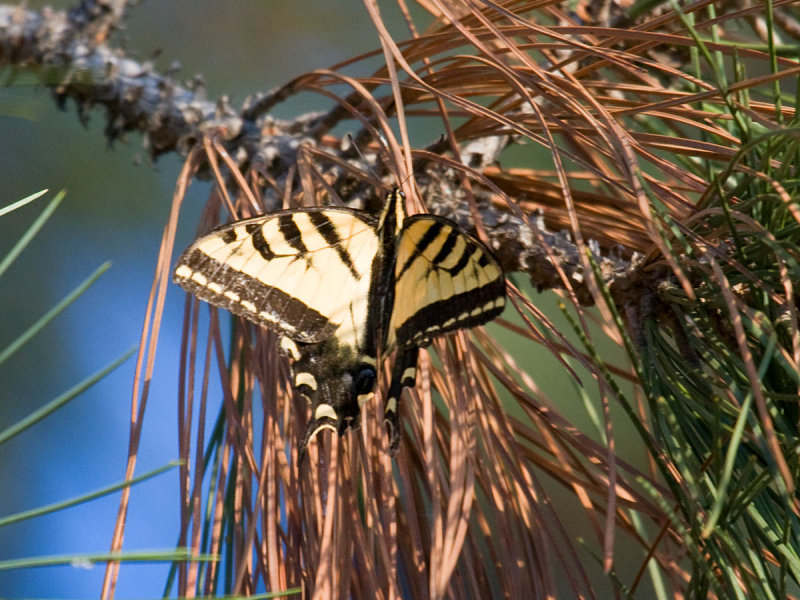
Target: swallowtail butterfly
column 338, row 285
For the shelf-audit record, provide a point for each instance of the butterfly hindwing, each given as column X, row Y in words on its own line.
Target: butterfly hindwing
column 303, row 273
column 444, row 280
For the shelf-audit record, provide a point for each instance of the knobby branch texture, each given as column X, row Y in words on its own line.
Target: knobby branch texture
column 72, row 56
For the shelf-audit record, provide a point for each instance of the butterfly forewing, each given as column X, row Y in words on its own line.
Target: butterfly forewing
column 444, row 280
column 303, row 273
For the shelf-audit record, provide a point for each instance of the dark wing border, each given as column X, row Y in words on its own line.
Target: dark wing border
column 236, row 289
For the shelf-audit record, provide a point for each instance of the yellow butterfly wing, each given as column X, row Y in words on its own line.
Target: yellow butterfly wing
column 304, row 273
column 444, row 280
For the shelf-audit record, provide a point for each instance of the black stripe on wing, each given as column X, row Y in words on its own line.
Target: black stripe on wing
column 427, row 239
column 468, row 309
column 291, row 232
column 329, row 233
column 257, row 236
column 247, row 297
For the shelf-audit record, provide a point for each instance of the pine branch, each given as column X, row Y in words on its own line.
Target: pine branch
column 68, row 51
column 71, row 55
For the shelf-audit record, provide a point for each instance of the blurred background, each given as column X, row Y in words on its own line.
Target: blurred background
column 116, row 206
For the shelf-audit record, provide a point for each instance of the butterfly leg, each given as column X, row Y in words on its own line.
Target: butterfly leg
column 305, row 365
column 324, row 417
column 404, row 375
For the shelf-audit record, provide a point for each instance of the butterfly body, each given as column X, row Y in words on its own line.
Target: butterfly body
column 344, row 288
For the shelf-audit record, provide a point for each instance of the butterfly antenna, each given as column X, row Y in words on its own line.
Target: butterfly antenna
column 374, row 176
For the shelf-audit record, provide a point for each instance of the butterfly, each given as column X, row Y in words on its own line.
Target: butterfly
column 342, row 288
